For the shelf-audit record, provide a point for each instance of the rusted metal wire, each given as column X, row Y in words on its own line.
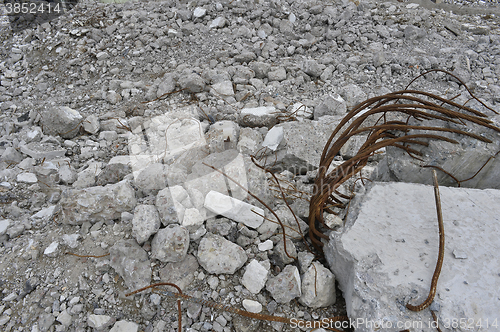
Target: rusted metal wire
column 229, row 308
column 439, row 264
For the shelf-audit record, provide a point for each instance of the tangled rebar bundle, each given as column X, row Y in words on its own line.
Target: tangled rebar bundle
column 388, row 119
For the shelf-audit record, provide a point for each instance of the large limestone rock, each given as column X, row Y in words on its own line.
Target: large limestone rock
column 386, row 255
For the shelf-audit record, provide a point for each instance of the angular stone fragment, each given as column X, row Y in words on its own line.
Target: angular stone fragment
column 255, row 277
column 112, row 173
column 223, row 135
column 318, row 287
column 124, row 326
column 192, row 82
column 264, row 116
column 131, row 262
column 170, row 244
column 273, row 138
column 61, row 120
column 353, row 95
column 218, row 255
column 285, row 286
column 100, row 322
column 96, row 203
column 252, row 306
column 332, row 104
column 234, row 209
column 91, row 124
column 146, row 222
column 168, row 203
column 180, row 273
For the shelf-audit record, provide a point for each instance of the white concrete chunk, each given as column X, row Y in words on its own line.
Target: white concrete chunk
column 234, row 209
column 386, row 256
column 273, row 138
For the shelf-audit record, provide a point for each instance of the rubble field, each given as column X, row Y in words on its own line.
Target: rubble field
column 127, row 132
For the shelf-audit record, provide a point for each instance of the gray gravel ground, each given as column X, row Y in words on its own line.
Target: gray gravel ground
column 73, row 88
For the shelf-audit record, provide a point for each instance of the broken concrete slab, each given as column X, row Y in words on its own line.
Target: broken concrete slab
column 386, row 255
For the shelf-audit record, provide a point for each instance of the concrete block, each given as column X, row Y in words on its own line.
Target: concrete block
column 386, row 256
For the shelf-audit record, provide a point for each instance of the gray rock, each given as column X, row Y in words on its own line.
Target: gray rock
column 278, row 74
column 352, row 146
column 146, row 222
column 264, row 116
column 353, row 95
column 67, row 174
column 96, row 203
column 462, row 160
column 398, row 227
column 285, row 286
column 312, row 68
column 180, row 273
column 113, row 98
column 112, row 173
column 223, row 135
column 224, row 88
column 131, row 262
column 250, row 141
column 152, row 179
column 29, row 178
column 255, row 277
column 261, row 69
column 378, row 59
column 167, row 85
column 91, row 124
column 11, row 155
column 168, row 203
column 4, row 225
column 218, row 255
column 302, row 146
column 245, row 57
column 412, row 32
column 100, row 322
column 170, row 244
column 318, row 287
column 45, row 321
column 61, row 120
column 332, row 104
column 192, row 83
column 288, row 256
